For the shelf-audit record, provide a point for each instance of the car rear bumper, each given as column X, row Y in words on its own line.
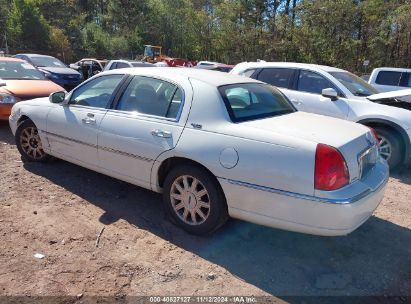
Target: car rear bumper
column 408, row 158
column 303, row 213
column 5, row 110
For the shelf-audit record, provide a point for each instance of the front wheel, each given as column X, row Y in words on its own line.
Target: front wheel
column 29, row 143
column 389, row 146
column 194, row 200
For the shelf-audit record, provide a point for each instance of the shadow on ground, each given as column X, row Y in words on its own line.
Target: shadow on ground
column 374, row 260
column 5, row 133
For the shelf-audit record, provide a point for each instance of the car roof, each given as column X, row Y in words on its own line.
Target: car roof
column 392, row 69
column 36, row 55
column 127, row 60
column 214, row 78
column 263, row 64
column 11, row 59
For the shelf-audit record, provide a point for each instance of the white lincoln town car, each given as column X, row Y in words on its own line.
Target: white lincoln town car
column 215, row 145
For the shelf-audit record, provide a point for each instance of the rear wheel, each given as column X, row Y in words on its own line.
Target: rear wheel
column 389, row 146
column 194, row 200
column 29, row 143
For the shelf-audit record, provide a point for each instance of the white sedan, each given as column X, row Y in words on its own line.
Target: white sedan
column 215, row 145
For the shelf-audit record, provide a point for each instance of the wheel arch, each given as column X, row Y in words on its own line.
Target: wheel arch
column 23, row 118
column 405, row 140
column 169, row 163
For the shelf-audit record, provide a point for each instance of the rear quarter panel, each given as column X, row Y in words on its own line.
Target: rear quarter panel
column 281, row 162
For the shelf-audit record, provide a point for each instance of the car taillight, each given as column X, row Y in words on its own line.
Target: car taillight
column 375, row 135
column 331, row 170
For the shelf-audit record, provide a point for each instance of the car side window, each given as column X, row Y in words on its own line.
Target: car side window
column 151, row 96
column 248, row 73
column 313, row 83
column 388, row 78
column 97, row 92
column 405, row 80
column 278, row 77
column 113, row 66
column 122, row 65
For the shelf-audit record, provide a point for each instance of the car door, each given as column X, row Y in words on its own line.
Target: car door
column 142, row 124
column 72, row 127
column 306, row 95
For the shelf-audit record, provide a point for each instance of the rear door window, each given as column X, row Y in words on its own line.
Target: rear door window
column 388, row 78
column 278, row 77
column 152, row 96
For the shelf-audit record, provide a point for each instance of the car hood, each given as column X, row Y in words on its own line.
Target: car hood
column 311, row 127
column 27, row 89
column 61, row 71
column 403, row 95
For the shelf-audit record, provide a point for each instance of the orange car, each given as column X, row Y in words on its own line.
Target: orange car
column 19, row 81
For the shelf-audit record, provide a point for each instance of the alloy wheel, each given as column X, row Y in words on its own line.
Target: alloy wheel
column 31, row 143
column 190, row 200
column 385, row 147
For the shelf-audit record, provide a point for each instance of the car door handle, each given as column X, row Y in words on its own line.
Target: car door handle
column 296, row 102
column 89, row 120
column 162, row 134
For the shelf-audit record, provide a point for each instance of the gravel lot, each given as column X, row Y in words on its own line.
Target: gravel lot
column 58, row 209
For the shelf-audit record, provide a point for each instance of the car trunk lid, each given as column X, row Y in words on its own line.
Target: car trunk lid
column 356, row 142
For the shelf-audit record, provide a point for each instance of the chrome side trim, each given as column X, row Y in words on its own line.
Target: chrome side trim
column 70, row 139
column 100, row 147
column 125, row 154
column 305, row 196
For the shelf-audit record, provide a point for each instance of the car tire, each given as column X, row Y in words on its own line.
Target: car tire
column 390, row 146
column 194, row 200
column 29, row 144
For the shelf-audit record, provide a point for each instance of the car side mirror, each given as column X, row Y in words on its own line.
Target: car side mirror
column 57, row 97
column 2, row 82
column 330, row 93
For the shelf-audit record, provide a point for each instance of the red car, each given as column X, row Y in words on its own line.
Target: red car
column 19, row 81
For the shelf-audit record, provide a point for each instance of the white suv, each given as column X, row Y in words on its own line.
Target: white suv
column 390, row 79
column 338, row 93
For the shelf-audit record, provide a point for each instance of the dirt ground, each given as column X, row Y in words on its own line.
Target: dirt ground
column 58, row 209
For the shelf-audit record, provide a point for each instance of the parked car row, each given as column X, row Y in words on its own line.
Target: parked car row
column 218, row 144
column 337, row 93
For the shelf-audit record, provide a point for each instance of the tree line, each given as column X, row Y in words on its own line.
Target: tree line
column 340, row 33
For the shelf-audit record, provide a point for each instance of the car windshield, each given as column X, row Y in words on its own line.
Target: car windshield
column 247, row 101
column 47, row 62
column 19, row 70
column 354, row 84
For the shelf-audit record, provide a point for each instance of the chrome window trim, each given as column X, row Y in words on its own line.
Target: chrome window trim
column 312, row 198
column 138, row 115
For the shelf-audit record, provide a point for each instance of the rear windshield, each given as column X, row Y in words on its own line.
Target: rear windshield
column 19, row 70
column 248, row 101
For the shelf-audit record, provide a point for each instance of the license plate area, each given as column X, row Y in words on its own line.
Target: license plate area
column 367, row 161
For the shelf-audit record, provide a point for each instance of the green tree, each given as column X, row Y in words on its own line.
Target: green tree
column 27, row 28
